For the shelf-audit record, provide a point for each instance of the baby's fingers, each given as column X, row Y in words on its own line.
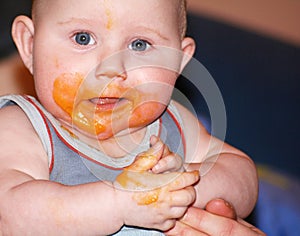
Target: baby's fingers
column 146, row 160
column 184, row 180
column 154, row 140
column 180, row 200
column 169, row 163
column 183, row 197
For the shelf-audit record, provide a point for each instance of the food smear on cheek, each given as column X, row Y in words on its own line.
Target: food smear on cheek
column 85, row 118
column 65, row 89
column 145, row 113
column 98, row 118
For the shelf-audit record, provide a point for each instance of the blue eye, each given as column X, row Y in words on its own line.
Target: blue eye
column 139, row 45
column 84, row 38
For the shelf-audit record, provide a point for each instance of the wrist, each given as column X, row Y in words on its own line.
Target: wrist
column 120, row 204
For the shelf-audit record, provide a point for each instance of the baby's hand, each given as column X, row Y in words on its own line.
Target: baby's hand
column 152, row 200
column 155, row 201
column 168, row 161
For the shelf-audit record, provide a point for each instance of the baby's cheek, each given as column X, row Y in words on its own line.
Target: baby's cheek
column 146, row 113
column 65, row 89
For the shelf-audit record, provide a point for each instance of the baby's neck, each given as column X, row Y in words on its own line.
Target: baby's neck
column 119, row 145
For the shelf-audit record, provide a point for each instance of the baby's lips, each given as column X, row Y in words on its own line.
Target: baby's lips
column 107, row 103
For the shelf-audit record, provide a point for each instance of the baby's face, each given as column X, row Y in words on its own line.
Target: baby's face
column 103, row 66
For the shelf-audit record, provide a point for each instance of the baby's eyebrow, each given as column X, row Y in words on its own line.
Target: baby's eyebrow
column 75, row 20
column 139, row 28
column 151, row 30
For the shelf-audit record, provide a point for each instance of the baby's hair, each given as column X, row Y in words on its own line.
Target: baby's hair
column 183, row 17
column 182, row 14
column 33, row 7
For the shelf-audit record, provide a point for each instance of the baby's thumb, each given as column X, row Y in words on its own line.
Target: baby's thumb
column 147, row 160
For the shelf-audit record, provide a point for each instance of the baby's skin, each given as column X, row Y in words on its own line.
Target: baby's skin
column 167, row 192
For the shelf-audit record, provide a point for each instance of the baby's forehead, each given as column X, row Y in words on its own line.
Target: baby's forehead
column 180, row 5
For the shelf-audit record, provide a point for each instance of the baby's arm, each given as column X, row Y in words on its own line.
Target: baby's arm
column 225, row 171
column 31, row 204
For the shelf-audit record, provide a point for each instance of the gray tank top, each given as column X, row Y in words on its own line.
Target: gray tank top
column 72, row 162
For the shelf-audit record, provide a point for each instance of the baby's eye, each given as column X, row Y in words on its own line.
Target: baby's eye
column 84, row 38
column 139, row 45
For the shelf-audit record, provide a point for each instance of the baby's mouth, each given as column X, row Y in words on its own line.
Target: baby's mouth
column 94, row 116
column 107, row 103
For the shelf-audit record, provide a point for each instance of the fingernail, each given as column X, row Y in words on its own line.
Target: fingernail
column 156, row 168
column 153, row 140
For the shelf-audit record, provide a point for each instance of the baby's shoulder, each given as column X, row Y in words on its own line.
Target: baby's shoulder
column 20, row 145
column 188, row 119
column 12, row 114
column 13, row 119
column 195, row 134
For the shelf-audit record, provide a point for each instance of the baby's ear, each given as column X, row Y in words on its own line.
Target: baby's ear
column 22, row 33
column 188, row 47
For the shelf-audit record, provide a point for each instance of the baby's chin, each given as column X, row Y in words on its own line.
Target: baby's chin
column 105, row 135
column 85, row 135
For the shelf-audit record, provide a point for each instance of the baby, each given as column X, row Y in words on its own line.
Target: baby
column 76, row 160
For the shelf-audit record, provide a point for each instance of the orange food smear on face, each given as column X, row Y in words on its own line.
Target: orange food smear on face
column 109, row 20
column 65, row 90
column 99, row 128
column 108, row 14
column 91, row 119
column 71, row 133
column 145, row 113
column 83, row 115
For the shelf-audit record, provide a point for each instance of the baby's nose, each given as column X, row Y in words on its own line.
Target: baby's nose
column 112, row 67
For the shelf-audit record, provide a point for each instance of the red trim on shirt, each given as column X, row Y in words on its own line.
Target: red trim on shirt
column 47, row 127
column 160, row 127
column 180, row 130
column 82, row 154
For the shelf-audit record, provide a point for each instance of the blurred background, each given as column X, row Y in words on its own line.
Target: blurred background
column 251, row 49
column 14, row 77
